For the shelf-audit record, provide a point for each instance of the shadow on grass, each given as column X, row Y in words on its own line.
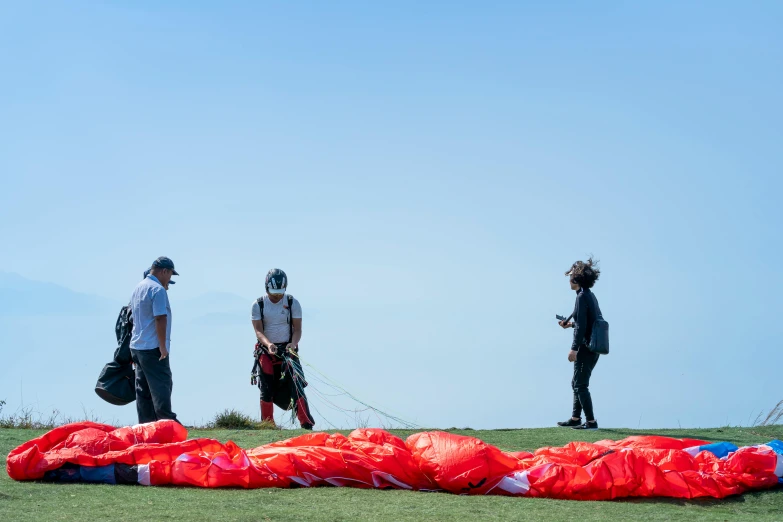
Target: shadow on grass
column 719, row 436
column 705, row 502
column 697, row 502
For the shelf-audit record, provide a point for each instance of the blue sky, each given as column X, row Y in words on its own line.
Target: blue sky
column 424, row 174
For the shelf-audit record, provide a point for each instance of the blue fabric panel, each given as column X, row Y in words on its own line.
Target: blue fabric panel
column 101, row 474
column 776, row 445
column 719, row 449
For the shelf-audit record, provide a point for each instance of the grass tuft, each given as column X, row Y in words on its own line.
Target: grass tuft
column 27, row 418
column 774, row 416
column 231, row 419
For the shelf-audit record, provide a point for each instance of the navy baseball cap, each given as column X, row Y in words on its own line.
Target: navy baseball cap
column 164, row 262
column 147, row 272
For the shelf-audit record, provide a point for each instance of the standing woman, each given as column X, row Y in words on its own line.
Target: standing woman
column 582, row 276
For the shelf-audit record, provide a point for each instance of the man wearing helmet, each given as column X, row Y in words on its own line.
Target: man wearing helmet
column 277, row 322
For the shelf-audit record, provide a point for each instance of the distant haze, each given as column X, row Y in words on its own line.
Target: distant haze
column 424, row 172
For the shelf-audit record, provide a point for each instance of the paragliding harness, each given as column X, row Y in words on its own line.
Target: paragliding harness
column 123, row 328
column 288, row 389
column 116, row 381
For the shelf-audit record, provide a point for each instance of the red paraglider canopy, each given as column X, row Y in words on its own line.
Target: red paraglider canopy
column 159, row 453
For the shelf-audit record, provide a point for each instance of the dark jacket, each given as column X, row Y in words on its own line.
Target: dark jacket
column 584, row 317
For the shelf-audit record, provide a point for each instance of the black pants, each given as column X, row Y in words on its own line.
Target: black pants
column 282, row 381
column 583, row 368
column 153, row 386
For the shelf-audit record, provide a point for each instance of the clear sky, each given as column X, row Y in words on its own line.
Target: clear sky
column 425, row 174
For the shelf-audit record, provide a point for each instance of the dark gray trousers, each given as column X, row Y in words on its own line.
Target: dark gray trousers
column 153, row 386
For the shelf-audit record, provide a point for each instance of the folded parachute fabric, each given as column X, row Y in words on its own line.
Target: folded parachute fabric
column 158, row 453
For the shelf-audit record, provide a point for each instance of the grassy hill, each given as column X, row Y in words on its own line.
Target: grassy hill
column 40, row 501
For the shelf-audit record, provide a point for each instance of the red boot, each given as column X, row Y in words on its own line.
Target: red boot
column 303, row 414
column 267, row 412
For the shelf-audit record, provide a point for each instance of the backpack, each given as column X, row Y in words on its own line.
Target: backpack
column 599, row 339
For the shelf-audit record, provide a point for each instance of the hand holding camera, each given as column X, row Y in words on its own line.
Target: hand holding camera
column 564, row 321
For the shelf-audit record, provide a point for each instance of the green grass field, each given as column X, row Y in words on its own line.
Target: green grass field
column 41, row 501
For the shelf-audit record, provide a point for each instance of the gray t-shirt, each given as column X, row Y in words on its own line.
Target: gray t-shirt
column 276, row 327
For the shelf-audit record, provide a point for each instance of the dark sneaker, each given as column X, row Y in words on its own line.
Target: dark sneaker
column 586, row 426
column 307, row 427
column 570, row 423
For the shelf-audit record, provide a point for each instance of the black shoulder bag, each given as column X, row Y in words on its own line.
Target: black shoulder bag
column 599, row 340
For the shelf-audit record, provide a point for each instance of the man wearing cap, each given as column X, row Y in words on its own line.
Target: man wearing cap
column 151, row 342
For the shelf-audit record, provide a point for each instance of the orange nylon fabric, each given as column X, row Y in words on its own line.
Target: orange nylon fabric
column 373, row 458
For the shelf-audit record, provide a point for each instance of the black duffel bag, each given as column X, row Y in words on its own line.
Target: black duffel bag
column 116, row 382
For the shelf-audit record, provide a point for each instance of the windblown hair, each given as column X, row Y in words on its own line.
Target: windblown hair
column 585, row 274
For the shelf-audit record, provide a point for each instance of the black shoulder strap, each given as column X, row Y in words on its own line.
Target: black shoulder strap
column 290, row 318
column 121, row 326
column 260, row 302
column 598, row 314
